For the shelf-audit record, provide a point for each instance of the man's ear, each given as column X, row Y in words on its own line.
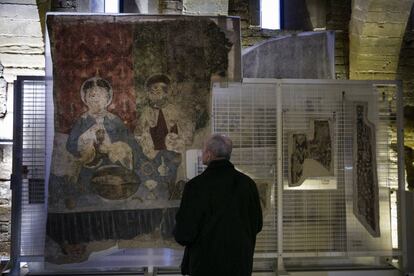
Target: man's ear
column 210, row 155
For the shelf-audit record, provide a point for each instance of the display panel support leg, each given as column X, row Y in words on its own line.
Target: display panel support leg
column 280, row 270
column 150, row 271
column 16, row 179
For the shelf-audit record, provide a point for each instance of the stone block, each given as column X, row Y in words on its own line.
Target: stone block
column 5, row 195
column 203, row 7
column 381, row 16
column 6, row 124
column 21, row 44
column 368, row 41
column 27, row 2
column 5, row 246
column 28, row 61
column 4, row 227
column 19, row 11
column 385, row 5
column 71, row 6
column 5, row 214
column 371, row 75
column 5, row 201
column 375, row 62
column 20, row 27
column 10, row 74
column 360, row 5
column 339, row 60
column 341, row 75
column 394, row 30
column 4, row 242
column 388, row 16
column 171, row 7
column 5, row 161
column 306, row 55
column 384, row 50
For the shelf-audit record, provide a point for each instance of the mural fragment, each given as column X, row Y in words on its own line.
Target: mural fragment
column 310, row 153
column 366, row 202
column 131, row 96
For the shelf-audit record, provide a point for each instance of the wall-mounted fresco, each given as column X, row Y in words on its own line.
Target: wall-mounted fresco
column 131, row 95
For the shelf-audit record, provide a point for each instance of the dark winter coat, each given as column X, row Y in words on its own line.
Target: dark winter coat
column 218, row 220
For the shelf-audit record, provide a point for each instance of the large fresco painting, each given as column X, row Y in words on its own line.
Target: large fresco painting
column 131, row 96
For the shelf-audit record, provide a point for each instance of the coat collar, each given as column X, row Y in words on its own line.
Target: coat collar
column 220, row 163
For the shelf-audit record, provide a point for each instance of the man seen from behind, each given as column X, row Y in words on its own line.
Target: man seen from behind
column 219, row 216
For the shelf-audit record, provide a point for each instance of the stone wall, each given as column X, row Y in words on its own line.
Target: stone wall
column 405, row 73
column 202, row 7
column 21, row 53
column 376, row 32
column 335, row 16
column 5, row 204
column 252, row 34
column 406, row 62
column 21, row 39
column 307, row 55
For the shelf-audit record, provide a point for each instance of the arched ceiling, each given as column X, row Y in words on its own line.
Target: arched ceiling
column 376, row 32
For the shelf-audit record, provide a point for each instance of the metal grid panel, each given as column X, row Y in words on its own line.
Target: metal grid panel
column 33, row 195
column 359, row 240
column 247, row 114
column 313, row 218
column 387, row 135
column 387, row 148
column 318, row 220
column 323, row 220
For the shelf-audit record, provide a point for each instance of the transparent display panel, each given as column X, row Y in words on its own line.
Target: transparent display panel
column 247, row 114
column 33, row 219
column 321, row 192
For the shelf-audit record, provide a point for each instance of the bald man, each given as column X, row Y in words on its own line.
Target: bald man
column 219, row 216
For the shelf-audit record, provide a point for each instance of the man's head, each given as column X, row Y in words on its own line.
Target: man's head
column 217, row 147
column 157, row 87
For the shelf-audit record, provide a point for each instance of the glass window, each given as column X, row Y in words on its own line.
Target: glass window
column 270, row 14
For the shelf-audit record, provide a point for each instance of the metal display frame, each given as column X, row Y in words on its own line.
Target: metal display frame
column 17, row 172
column 278, row 256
